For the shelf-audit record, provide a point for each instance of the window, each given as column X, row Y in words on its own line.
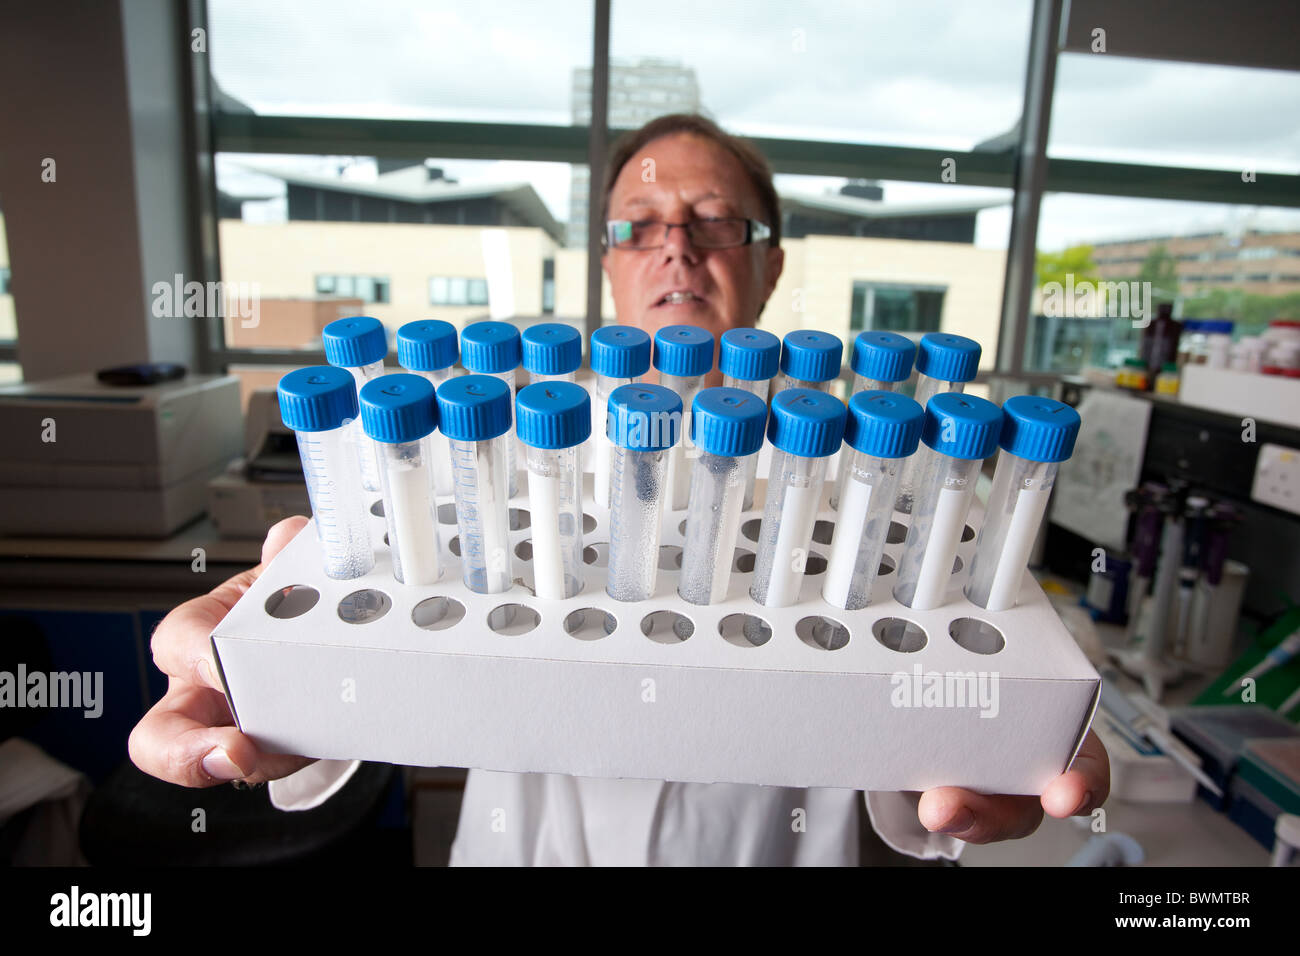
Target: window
column 454, row 290
column 895, row 308
column 368, row 289
column 548, row 287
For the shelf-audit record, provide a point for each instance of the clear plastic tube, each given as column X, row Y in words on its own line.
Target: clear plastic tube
column 926, row 389
column 1016, row 505
column 793, row 490
column 603, row 447
column 367, row 453
column 762, row 388
column 409, row 511
column 944, row 491
column 638, row 485
column 684, row 452
column 554, row 476
column 535, row 377
column 439, row 450
column 788, row 382
column 512, row 452
column 483, row 512
column 329, row 464
column 868, row 485
column 712, row 523
column 860, row 384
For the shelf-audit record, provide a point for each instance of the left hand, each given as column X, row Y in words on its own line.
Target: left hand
column 988, row 818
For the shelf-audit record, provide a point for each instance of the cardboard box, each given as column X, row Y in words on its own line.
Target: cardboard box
column 288, row 323
column 639, row 702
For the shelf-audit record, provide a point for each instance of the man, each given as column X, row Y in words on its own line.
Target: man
column 694, row 239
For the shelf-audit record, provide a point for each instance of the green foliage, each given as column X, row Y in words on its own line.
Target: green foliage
column 1161, row 270
column 1055, row 266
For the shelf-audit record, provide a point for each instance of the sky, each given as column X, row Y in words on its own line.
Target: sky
column 943, row 74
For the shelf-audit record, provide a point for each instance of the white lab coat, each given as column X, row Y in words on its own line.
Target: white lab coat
column 519, row 819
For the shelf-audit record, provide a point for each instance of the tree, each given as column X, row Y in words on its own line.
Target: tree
column 1161, row 270
column 1055, row 266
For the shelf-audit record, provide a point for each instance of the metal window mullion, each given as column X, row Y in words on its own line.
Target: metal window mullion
column 597, row 136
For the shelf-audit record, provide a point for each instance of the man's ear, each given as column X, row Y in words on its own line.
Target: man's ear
column 775, row 262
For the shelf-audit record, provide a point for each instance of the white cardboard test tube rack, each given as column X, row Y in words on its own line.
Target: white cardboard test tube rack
column 710, row 708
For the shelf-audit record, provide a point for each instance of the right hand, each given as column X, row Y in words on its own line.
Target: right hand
column 189, row 737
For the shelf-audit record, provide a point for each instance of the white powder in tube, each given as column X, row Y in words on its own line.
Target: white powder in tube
column 726, row 537
column 848, row 539
column 600, row 476
column 798, row 512
column 945, row 534
column 548, row 564
column 1021, row 532
column 413, row 526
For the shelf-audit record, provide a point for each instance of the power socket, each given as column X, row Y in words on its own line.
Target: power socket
column 1277, row 478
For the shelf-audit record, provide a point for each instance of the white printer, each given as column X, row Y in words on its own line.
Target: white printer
column 86, row 459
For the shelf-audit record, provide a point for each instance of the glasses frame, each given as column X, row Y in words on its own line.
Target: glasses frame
column 755, row 231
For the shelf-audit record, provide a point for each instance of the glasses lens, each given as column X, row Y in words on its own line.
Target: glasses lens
column 717, row 233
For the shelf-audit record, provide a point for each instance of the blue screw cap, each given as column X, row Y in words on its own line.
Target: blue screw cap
column 728, row 421
column 961, row 426
column 948, row 357
column 427, row 346
column 398, row 407
column 490, row 347
column 811, row 356
column 317, row 398
column 883, row 424
column 474, row 407
column 553, row 415
column 883, row 356
column 644, row 417
column 620, row 351
column 683, row 350
column 351, row 343
column 806, row 422
column 1039, row 429
column 551, row 349
column 749, row 354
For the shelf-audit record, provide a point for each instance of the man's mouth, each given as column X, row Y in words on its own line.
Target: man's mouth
column 680, row 298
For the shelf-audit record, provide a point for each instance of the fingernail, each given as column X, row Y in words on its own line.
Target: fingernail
column 218, row 764
column 206, row 673
column 1084, row 803
column 960, row 823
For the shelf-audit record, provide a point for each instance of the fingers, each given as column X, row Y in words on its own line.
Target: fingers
column 280, row 535
column 977, row 817
column 188, row 738
column 1085, row 786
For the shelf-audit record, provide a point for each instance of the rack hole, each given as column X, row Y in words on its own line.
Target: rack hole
column 520, row 519
column 968, row 533
column 364, row 606
column 814, row 563
column 751, row 527
column 681, row 528
column 823, row 532
column 896, row 534
column 513, row 619
column 977, row 636
column 588, row 523
column 385, row 537
column 590, row 624
column 447, row 513
column 898, row 634
column 670, row 557
column 292, row 601
column 822, row 633
column 667, row 627
column 438, row 613
column 956, row 564
column 745, row 630
column 454, row 545
column 597, row 554
column 887, row 566
column 524, row 550
column 743, row 561
column 377, row 508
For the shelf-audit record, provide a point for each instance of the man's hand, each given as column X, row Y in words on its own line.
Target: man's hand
column 189, row 737
column 988, row 818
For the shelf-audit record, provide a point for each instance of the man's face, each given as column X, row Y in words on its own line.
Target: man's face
column 694, row 178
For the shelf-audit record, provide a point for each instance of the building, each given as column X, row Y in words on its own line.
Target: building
column 1253, row 260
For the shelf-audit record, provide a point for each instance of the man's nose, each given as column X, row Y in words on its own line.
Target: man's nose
column 677, row 245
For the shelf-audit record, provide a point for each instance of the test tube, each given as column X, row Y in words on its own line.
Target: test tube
column 881, row 431
column 882, row 361
column 810, row 360
column 429, row 348
column 1037, row 435
column 359, row 345
column 805, row 427
column 493, row 348
column 728, row 425
column 553, row 419
column 398, row 412
column 944, row 363
column 551, row 352
column 683, row 355
column 643, row 422
column 958, row 433
column 474, row 413
column 320, row 404
column 749, row 359
column 620, row 354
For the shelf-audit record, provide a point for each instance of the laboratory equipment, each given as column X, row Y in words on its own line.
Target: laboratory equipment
column 553, row 419
column 643, row 423
column 805, row 427
column 881, row 430
column 882, row 361
column 944, row 363
column 749, row 359
column 1146, row 503
column 474, row 412
column 1196, row 516
column 494, row 348
column 620, row 354
column 1281, row 654
column 398, row 412
column 1037, row 435
column 359, row 345
column 429, row 348
column 551, row 352
column 810, row 360
column 320, row 404
column 1159, row 343
column 958, row 433
column 683, row 355
column 728, row 428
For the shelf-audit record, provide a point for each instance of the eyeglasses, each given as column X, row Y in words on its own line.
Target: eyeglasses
column 704, row 233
